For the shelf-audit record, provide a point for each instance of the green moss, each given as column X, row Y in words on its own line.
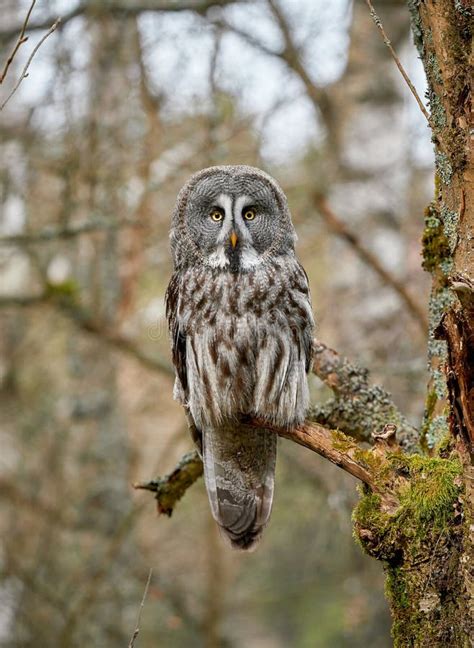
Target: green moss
column 371, row 526
column 424, row 524
column 428, row 500
column 341, row 442
column 445, row 446
column 435, row 246
column 396, row 588
column 368, row 512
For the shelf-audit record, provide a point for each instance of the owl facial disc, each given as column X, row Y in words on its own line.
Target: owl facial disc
column 231, row 218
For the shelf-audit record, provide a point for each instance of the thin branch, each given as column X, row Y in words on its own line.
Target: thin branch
column 24, row 73
column 123, row 9
column 342, row 230
column 403, row 72
column 52, row 233
column 82, row 318
column 142, row 604
column 290, row 55
column 171, row 488
column 67, row 305
column 13, row 301
column 21, row 39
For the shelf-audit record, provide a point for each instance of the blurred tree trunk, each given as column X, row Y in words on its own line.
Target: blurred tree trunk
column 426, row 540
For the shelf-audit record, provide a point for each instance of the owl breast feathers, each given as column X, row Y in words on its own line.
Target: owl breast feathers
column 241, row 325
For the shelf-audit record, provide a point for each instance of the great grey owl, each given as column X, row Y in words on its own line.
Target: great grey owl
column 239, row 313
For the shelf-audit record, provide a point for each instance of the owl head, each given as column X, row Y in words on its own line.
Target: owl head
column 230, row 218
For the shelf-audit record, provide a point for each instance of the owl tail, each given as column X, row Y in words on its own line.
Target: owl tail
column 239, row 471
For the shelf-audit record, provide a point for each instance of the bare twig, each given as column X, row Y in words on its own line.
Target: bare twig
column 142, row 604
column 341, row 229
column 21, row 39
column 403, row 72
column 52, row 233
column 290, row 55
column 24, row 73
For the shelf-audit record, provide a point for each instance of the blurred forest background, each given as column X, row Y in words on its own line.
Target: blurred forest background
column 122, row 103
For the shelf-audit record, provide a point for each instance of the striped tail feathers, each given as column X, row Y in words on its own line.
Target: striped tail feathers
column 239, row 471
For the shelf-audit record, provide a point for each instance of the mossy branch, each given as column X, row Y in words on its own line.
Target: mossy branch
column 359, row 409
column 171, row 488
column 368, row 466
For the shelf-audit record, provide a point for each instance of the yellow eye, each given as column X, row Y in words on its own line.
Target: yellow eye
column 249, row 214
column 216, row 216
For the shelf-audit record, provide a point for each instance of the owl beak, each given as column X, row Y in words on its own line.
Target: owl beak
column 233, row 239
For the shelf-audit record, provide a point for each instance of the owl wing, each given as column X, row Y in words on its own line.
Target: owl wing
column 178, row 338
column 307, row 337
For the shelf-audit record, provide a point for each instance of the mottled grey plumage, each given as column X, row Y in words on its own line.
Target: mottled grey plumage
column 240, row 318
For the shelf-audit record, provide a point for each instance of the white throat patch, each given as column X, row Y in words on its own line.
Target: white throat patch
column 218, row 259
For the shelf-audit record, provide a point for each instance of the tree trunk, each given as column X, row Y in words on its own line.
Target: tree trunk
column 425, row 539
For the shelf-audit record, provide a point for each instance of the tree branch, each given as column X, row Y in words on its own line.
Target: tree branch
column 67, row 305
column 334, row 446
column 171, row 488
column 24, row 73
column 365, row 465
column 52, row 233
column 99, row 9
column 398, row 63
column 358, row 409
column 290, row 55
column 369, row 258
column 439, row 141
column 136, row 632
column 21, row 39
